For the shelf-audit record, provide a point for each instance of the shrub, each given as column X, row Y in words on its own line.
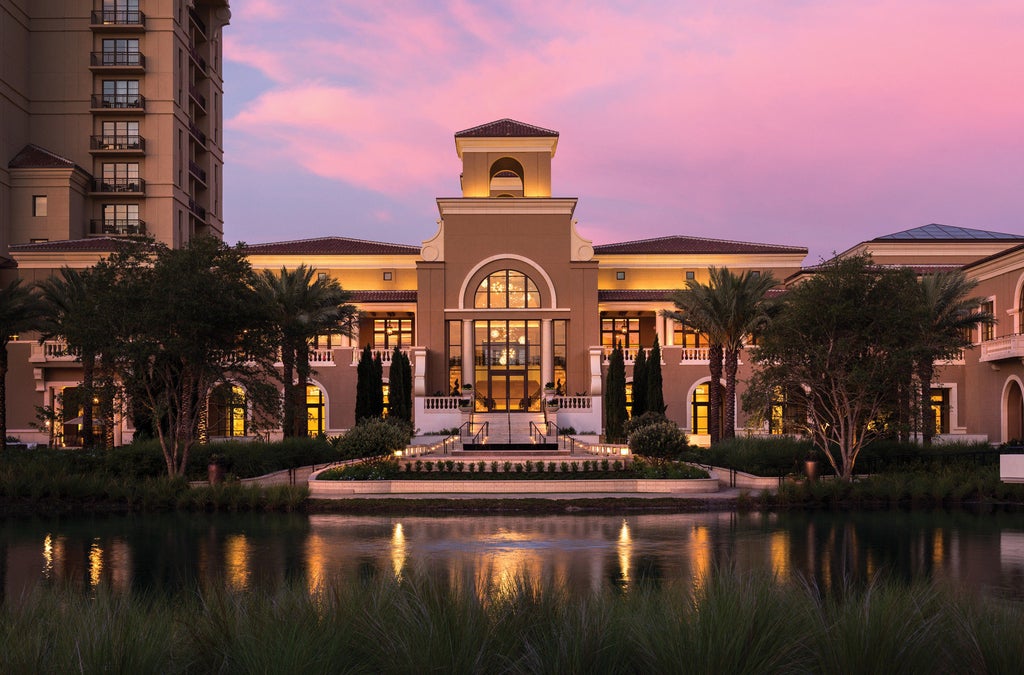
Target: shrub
column 428, row 466
column 529, row 466
column 648, row 418
column 494, row 467
column 472, row 467
column 375, row 468
column 519, row 467
column 757, row 455
column 551, row 467
column 565, row 467
column 662, row 439
column 449, row 465
column 605, row 465
column 373, row 438
column 408, row 467
column 481, row 465
column 419, row 465
column 617, row 465
column 540, row 467
column 507, row 466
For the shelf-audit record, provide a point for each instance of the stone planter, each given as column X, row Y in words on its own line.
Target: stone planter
column 811, row 467
column 215, row 473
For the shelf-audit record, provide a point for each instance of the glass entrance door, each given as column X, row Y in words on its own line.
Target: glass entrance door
column 507, row 364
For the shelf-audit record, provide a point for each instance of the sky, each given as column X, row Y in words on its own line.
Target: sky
column 817, row 123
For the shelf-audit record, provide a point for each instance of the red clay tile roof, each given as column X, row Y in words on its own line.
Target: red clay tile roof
column 633, row 295
column 34, row 157
column 383, row 296
column 683, row 245
column 1012, row 249
column 331, row 246
column 505, row 128
column 93, row 244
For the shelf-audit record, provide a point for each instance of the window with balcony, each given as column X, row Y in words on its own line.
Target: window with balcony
column 120, row 177
column 391, row 333
column 119, row 52
column 121, row 94
column 624, row 331
column 119, row 136
column 121, row 219
column 119, row 12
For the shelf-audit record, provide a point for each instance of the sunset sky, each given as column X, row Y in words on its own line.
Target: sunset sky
column 818, row 123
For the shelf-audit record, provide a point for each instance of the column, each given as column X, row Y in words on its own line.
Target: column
column 659, row 327
column 670, row 332
column 468, row 374
column 547, row 354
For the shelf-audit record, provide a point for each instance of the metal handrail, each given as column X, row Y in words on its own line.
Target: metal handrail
column 482, row 431
column 536, row 433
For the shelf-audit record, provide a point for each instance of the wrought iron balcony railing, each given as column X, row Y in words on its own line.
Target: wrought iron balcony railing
column 117, row 17
column 133, row 60
column 118, row 185
column 127, row 143
column 119, row 101
column 117, row 226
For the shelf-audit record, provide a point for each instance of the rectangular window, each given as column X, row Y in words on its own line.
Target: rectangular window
column 39, row 206
column 455, row 357
column 940, row 411
column 691, row 276
column 624, row 331
column 121, row 219
column 988, row 331
column 121, row 52
column 560, row 350
column 387, row 276
column 121, row 94
column 121, row 136
column 391, row 333
column 620, row 276
column 121, row 177
column 121, row 11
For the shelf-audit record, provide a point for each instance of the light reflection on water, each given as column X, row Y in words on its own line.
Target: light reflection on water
column 580, row 553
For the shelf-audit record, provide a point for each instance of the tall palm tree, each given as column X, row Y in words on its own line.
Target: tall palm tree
column 303, row 306
column 728, row 309
column 71, row 312
column 949, row 313
column 20, row 311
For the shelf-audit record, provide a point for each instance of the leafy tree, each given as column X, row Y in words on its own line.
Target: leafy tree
column 639, row 383
column 655, row 393
column 838, row 347
column 72, row 311
column 727, row 309
column 948, row 315
column 20, row 311
column 194, row 320
column 615, row 396
column 302, row 306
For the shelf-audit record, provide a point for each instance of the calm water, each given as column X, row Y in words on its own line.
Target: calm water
column 167, row 553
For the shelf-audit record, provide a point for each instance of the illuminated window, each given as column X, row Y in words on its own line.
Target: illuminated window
column 624, row 331
column 699, row 409
column 314, row 410
column 507, row 289
column 391, row 333
column 454, row 357
column 227, row 411
column 940, row 411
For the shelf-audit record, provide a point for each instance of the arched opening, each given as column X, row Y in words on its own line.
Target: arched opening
column 1014, row 412
column 226, row 411
column 700, row 409
column 1020, row 311
column 506, row 178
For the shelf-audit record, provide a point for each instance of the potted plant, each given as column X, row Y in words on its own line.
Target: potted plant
column 549, row 388
column 551, row 404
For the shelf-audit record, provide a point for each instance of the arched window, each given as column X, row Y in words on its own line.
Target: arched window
column 506, row 289
column 1020, row 311
column 227, row 411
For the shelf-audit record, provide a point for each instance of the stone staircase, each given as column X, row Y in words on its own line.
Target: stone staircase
column 509, row 432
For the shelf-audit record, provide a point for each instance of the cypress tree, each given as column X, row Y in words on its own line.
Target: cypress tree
column 398, row 402
column 615, row 396
column 407, row 388
column 640, row 370
column 364, row 374
column 655, row 395
column 376, row 388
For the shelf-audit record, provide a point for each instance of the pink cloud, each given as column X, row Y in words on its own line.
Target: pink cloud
column 713, row 113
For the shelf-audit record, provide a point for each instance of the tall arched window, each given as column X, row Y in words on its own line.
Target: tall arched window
column 314, row 410
column 506, row 289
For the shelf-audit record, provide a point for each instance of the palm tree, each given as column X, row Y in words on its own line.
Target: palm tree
column 727, row 309
column 303, row 306
column 71, row 312
column 948, row 316
column 20, row 311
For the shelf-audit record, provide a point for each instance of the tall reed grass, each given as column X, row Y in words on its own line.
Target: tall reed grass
column 726, row 622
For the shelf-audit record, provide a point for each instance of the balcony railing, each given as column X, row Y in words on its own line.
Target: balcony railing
column 197, row 133
column 118, row 185
column 197, row 97
column 119, row 101
column 1005, row 347
column 117, row 17
column 130, row 60
column 51, row 350
column 628, row 355
column 127, row 143
column 197, row 171
column 200, row 24
column 694, row 354
column 198, row 59
column 117, row 227
column 385, row 355
column 195, row 208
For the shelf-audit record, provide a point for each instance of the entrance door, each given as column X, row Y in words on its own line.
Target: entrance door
column 508, row 355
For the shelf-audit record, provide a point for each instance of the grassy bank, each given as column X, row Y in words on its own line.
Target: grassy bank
column 728, row 623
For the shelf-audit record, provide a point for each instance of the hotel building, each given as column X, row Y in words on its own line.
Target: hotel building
column 111, row 125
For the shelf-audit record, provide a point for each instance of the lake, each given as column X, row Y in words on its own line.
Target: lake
column 168, row 553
